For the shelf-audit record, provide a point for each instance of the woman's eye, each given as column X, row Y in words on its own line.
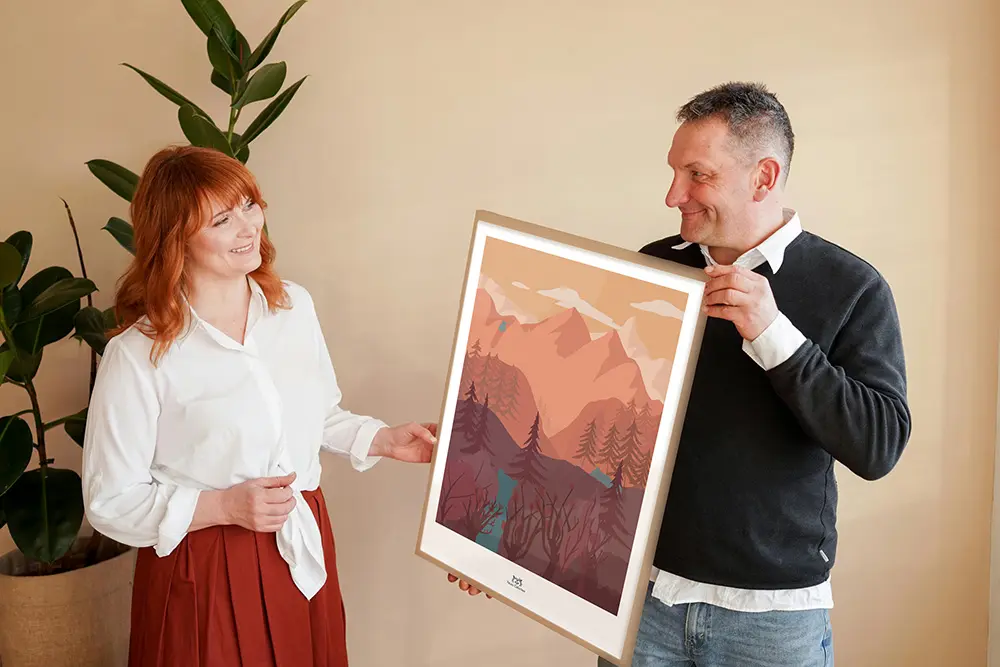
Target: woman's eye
column 221, row 221
column 249, row 204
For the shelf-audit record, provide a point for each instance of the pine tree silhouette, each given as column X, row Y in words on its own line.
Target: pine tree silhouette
column 632, row 454
column 588, row 444
column 466, row 419
column 612, row 518
column 526, row 465
column 610, row 451
column 480, row 440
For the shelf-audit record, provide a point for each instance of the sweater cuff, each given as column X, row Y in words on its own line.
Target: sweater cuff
column 776, row 344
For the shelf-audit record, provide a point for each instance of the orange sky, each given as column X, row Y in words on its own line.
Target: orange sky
column 610, row 295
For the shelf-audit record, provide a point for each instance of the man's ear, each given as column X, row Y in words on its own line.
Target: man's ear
column 766, row 180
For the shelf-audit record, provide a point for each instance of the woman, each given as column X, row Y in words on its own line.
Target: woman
column 212, row 404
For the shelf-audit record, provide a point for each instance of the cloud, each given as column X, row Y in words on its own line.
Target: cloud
column 568, row 298
column 520, row 285
column 660, row 307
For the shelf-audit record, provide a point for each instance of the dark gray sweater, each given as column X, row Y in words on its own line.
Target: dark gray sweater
column 753, row 498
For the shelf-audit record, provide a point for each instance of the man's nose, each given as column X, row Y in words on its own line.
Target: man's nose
column 676, row 195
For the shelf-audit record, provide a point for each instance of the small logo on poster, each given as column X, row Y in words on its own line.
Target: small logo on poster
column 516, row 583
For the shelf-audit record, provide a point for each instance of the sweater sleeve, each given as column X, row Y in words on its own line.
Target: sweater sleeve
column 853, row 401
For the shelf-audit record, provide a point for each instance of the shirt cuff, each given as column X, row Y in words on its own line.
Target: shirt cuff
column 775, row 344
column 363, row 444
column 177, row 519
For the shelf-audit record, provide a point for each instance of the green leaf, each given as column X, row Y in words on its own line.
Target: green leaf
column 162, row 88
column 24, row 367
column 269, row 114
column 33, row 333
column 123, row 233
column 121, row 181
column 41, row 281
column 266, row 44
column 76, row 426
column 6, row 357
column 22, row 241
column 16, row 447
column 91, row 326
column 44, row 512
column 31, row 336
column 202, row 132
column 11, row 298
column 208, row 14
column 222, row 82
column 64, row 292
column 10, row 265
column 223, row 60
column 263, row 85
column 244, row 153
column 3, row 517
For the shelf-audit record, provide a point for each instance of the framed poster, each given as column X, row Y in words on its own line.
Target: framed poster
column 571, row 368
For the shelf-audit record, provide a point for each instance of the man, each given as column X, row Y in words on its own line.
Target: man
column 801, row 365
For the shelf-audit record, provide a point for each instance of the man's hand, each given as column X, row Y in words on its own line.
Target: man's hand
column 411, row 443
column 465, row 586
column 742, row 297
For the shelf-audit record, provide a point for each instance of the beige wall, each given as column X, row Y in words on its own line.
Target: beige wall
column 416, row 114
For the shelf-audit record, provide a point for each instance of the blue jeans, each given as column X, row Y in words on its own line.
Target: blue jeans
column 703, row 635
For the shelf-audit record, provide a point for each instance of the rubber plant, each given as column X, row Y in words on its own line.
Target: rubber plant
column 43, row 507
column 238, row 71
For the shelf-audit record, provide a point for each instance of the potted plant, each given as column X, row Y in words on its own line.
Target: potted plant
column 65, row 599
column 55, row 582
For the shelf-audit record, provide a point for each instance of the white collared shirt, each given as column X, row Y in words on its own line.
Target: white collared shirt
column 212, row 414
column 773, row 346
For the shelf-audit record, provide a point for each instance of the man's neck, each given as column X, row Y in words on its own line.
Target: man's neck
column 760, row 233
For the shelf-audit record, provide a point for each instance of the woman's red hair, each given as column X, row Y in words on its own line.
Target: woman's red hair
column 172, row 202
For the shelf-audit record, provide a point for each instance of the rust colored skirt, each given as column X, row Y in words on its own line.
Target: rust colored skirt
column 225, row 598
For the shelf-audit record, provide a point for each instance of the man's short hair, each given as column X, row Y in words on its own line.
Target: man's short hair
column 756, row 119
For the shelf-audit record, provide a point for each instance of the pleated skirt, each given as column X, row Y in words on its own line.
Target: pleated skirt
column 225, row 598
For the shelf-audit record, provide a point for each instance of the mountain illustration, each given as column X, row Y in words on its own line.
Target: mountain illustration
column 557, row 353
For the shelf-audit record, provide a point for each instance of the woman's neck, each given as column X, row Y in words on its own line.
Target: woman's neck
column 222, row 303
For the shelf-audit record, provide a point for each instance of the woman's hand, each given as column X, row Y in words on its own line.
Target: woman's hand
column 412, row 442
column 261, row 505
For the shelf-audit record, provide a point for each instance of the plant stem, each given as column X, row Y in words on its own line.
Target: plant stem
column 51, row 425
column 21, row 413
column 36, row 410
column 90, row 300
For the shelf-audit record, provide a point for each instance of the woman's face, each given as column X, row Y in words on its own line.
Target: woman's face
column 228, row 244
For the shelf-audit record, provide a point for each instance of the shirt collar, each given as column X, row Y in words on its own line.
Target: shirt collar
column 258, row 308
column 770, row 250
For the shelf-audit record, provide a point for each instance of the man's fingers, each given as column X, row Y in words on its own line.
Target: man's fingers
column 726, row 297
column 734, row 281
column 730, row 313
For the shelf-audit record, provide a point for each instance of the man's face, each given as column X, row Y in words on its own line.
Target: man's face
column 713, row 187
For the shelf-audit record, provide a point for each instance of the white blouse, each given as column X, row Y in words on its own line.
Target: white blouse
column 212, row 414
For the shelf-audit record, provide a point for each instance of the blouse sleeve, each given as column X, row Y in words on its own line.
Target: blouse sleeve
column 344, row 433
column 121, row 498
